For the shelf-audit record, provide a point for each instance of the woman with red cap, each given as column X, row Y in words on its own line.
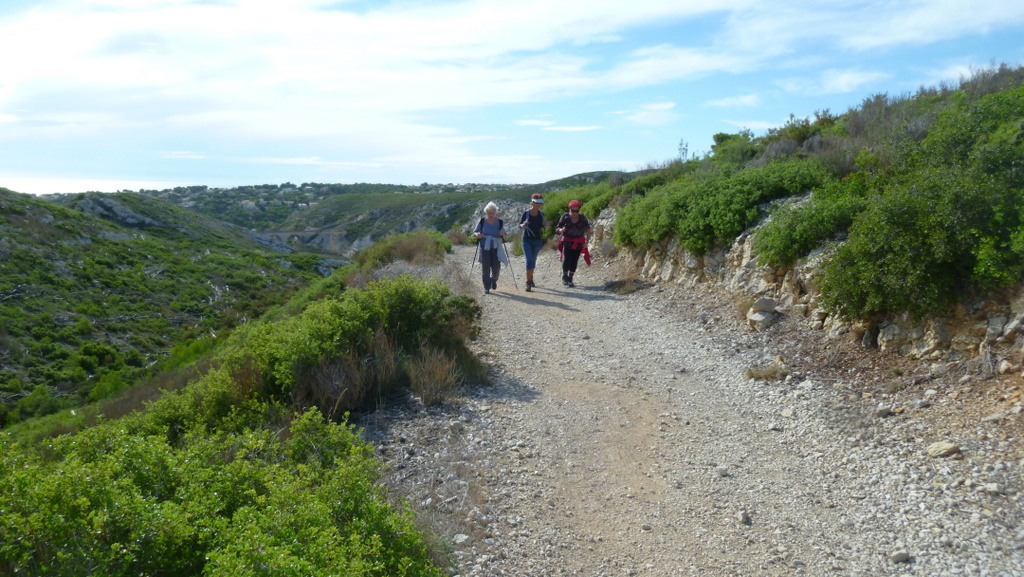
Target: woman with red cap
column 573, row 227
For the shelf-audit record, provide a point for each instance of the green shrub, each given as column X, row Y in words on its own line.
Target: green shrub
column 114, row 502
column 713, row 206
column 421, row 247
column 796, row 230
column 947, row 217
column 916, row 249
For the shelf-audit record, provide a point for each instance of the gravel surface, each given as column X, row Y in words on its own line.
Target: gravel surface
column 624, row 435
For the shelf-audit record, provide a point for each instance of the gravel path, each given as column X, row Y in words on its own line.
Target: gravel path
column 621, row 435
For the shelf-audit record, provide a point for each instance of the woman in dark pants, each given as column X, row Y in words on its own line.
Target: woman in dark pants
column 573, row 227
column 491, row 234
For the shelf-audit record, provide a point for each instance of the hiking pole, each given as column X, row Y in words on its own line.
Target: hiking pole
column 504, row 246
column 475, row 253
column 554, row 257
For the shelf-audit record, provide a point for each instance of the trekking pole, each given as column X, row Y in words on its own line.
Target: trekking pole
column 475, row 254
column 504, row 246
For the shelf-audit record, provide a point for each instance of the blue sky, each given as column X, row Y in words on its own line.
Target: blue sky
column 127, row 94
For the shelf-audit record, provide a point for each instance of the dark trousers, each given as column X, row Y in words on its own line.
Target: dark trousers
column 491, row 266
column 570, row 258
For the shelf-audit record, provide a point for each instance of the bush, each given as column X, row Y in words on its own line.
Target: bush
column 795, row 229
column 713, row 206
column 947, row 217
column 114, row 502
column 294, row 354
column 420, row 247
column 915, row 249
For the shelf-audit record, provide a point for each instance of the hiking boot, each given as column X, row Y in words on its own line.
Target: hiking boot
column 494, row 285
column 487, row 291
column 565, row 280
column 529, row 286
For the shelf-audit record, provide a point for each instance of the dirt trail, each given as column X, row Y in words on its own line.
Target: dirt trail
column 622, row 437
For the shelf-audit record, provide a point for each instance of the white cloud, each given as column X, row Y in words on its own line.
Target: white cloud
column 831, row 82
column 312, row 83
column 928, row 21
column 744, row 101
column 653, row 114
column 33, row 185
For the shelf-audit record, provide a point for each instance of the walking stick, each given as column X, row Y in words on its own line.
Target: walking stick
column 475, row 254
column 555, row 257
column 504, row 246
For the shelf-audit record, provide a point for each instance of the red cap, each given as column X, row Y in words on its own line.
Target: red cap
column 575, row 204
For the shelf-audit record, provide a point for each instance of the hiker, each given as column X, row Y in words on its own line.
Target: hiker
column 573, row 227
column 491, row 234
column 532, row 224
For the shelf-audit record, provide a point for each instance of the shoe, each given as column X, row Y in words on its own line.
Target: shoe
column 569, row 284
column 529, row 286
column 494, row 285
column 487, row 291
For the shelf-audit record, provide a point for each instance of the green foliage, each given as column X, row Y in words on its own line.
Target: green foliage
column 217, row 478
column 421, row 247
column 115, row 502
column 947, row 216
column 290, row 354
column 917, row 247
column 83, row 297
column 734, row 149
column 713, row 206
column 796, row 229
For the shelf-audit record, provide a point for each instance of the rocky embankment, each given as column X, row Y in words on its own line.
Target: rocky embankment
column 656, row 433
column 992, row 326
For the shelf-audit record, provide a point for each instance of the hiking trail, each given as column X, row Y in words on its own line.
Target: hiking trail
column 622, row 436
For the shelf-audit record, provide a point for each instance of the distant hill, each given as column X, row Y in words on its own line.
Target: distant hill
column 358, row 213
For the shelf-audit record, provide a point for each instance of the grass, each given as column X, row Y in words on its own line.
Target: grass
column 776, row 371
column 433, row 375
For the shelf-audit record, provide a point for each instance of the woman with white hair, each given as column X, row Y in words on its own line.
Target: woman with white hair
column 490, row 232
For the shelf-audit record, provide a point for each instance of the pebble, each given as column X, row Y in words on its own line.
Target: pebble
column 900, row 557
column 942, row 449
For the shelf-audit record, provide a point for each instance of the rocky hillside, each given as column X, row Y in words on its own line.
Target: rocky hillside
column 343, row 218
column 96, row 291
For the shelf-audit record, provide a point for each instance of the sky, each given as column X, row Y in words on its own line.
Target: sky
column 112, row 95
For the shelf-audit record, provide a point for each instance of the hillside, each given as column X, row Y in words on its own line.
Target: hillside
column 96, row 290
column 352, row 216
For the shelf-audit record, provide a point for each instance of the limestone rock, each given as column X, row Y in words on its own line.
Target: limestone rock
column 942, row 449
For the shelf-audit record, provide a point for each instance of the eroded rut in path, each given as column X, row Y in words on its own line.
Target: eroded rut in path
column 619, row 428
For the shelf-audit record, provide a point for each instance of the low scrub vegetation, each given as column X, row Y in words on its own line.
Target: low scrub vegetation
column 248, row 468
column 91, row 307
column 918, row 196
